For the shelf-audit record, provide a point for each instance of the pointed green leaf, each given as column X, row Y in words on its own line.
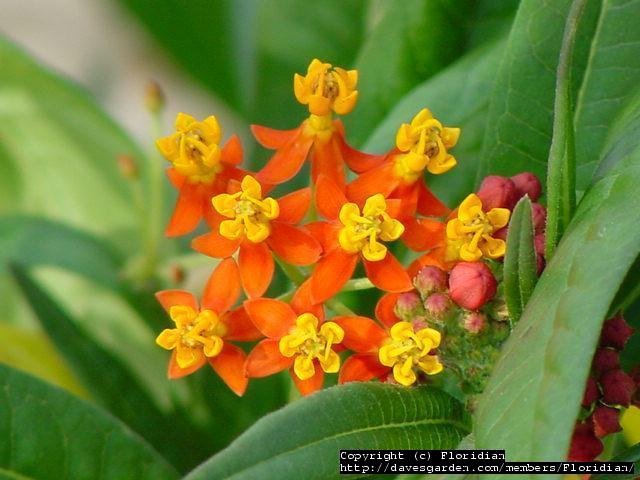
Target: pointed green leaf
column 520, row 260
column 47, row 433
column 631, row 454
column 303, row 439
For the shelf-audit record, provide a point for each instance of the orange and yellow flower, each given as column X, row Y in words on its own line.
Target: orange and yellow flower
column 298, row 338
column 258, row 226
column 200, row 169
column 203, row 331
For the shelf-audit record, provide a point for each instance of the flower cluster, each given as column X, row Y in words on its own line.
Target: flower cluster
column 358, row 209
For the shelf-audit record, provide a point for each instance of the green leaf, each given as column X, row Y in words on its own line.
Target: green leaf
column 303, row 439
column 631, row 454
column 458, row 96
column 48, row 433
column 533, row 397
column 520, row 267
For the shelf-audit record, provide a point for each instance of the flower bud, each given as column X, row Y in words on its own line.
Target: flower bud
column 419, row 323
column 430, row 279
column 539, row 215
column 585, row 446
column 437, row 305
column 501, row 234
column 128, row 167
column 474, row 322
column 527, row 183
column 605, row 420
column 497, row 192
column 407, row 306
column 471, row 285
column 591, row 393
column 153, row 97
column 617, row 387
column 539, row 244
column 615, row 333
column 606, row 359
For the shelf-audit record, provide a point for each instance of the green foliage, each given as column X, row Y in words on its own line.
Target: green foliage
column 631, row 454
column 48, row 433
column 303, row 440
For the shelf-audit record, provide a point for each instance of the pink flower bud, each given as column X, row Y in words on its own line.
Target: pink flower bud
column 419, row 323
column 539, row 215
column 606, row 359
column 471, row 285
column 437, row 305
column 430, row 279
column 591, row 393
column 539, row 244
column 497, row 192
column 585, row 446
column 407, row 305
column 527, row 184
column 615, row 333
column 605, row 420
column 474, row 322
column 617, row 387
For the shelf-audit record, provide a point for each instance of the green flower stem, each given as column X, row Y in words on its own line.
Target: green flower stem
column 153, row 233
column 285, row 297
column 358, row 284
column 339, row 307
column 292, row 272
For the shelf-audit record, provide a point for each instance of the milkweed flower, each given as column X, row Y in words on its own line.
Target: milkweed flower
column 399, row 348
column 199, row 169
column 258, row 226
column 324, row 89
column 203, row 332
column 298, row 339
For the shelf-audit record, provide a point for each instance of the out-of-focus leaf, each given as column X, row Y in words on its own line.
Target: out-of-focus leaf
column 458, row 96
column 520, row 260
column 632, row 454
column 48, row 433
column 490, row 20
column 303, row 439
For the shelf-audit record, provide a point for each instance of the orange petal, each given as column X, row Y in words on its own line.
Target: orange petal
column 240, row 327
column 435, row 257
column 428, row 204
column 325, row 233
column 394, row 207
column 409, row 197
column 187, row 213
column 174, row 371
column 361, row 334
column 356, row 160
column 294, row 206
column 265, row 359
column 302, row 301
column 388, row 274
column 361, row 367
column 271, row 138
column 293, row 244
column 313, row 384
column 287, row 161
column 229, row 364
column 331, row 274
column 223, row 288
column 329, row 197
column 175, row 178
column 213, row 218
column 422, row 234
column 169, row 298
column 232, row 151
column 378, row 180
column 215, row 245
column 272, row 317
column 256, row 267
column 326, row 159
column 386, row 309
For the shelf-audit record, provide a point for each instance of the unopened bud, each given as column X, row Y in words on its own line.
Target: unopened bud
column 153, row 97
column 471, row 285
column 539, row 215
column 177, row 274
column 585, row 446
column 605, row 420
column 437, row 305
column 430, row 279
column 497, row 192
column 617, row 387
column 615, row 333
column 591, row 393
column 606, row 359
column 128, row 166
column 419, row 323
column 407, row 306
column 474, row 322
column 527, row 183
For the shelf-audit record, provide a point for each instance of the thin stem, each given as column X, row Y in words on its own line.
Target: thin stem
column 292, row 272
column 358, row 284
column 285, row 297
column 339, row 307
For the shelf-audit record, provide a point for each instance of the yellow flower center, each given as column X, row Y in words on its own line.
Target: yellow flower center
column 469, row 236
column 424, row 143
column 407, row 351
column 307, row 343
column 249, row 213
column 325, row 88
column 193, row 149
column 196, row 333
column 360, row 233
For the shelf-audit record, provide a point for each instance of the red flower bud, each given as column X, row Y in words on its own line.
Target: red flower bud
column 407, row 305
column 617, row 387
column 430, row 279
column 585, row 446
column 539, row 244
column 474, row 322
column 606, row 359
column 539, row 215
column 527, row 184
column 437, row 305
column 497, row 192
column 615, row 333
column 471, row 285
column 591, row 393
column 419, row 323
column 605, row 420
